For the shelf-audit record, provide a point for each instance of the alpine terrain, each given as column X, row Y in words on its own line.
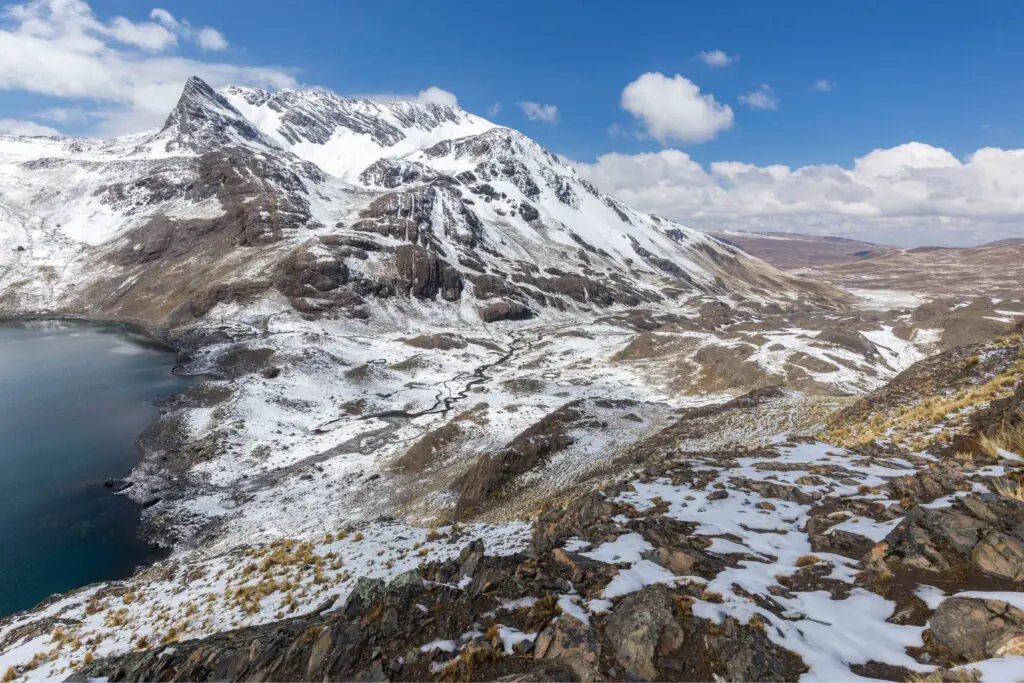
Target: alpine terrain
column 458, row 414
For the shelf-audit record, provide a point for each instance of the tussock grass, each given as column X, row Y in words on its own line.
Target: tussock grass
column 940, row 676
column 922, row 423
column 1008, row 488
column 806, row 560
column 1010, row 438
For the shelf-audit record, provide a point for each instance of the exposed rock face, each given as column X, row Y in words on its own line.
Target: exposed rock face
column 304, row 273
column 505, row 310
column 977, row 629
column 979, row 533
column 423, row 275
column 426, row 215
column 572, row 643
column 641, row 628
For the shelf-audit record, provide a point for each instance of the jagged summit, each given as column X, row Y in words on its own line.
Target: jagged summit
column 203, row 119
column 342, row 135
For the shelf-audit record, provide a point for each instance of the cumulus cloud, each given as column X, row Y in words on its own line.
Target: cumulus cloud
column 211, row 39
column 912, row 194
column 762, row 98
column 548, row 113
column 717, row 58
column 432, row 95
column 822, row 85
column 121, row 74
column 435, row 95
column 675, row 108
column 17, row 127
column 206, row 37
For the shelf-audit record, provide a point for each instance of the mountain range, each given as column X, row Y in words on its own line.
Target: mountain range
column 334, row 204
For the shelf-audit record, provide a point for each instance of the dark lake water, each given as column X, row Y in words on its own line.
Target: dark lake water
column 73, row 399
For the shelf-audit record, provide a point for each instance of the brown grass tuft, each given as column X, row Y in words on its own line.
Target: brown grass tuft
column 1008, row 488
column 806, row 560
column 1010, row 438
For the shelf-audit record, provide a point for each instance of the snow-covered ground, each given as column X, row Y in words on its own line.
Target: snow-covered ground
column 762, row 539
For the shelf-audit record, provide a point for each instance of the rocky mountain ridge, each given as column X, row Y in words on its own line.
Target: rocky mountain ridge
column 336, row 203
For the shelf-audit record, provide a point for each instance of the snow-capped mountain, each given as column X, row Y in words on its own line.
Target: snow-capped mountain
column 324, row 203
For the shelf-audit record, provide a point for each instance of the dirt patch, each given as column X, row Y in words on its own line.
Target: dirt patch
column 438, row 342
column 524, row 386
column 240, row 360
column 492, row 471
column 430, row 449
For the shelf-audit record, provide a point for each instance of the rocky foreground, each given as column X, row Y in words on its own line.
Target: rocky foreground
column 762, row 565
column 793, row 559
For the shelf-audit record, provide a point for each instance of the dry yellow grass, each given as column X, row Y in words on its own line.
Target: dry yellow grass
column 1008, row 488
column 806, row 560
column 921, row 424
column 1010, row 439
column 940, row 676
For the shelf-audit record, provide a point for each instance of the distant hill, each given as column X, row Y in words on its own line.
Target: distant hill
column 794, row 250
column 1005, row 243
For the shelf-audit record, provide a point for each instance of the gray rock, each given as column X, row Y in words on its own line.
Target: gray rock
column 641, row 625
column 978, row 629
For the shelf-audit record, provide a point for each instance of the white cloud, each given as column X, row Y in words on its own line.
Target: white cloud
column 64, row 115
column 211, row 39
column 16, row 127
column 432, row 95
column 120, row 73
column 675, row 108
column 548, row 113
column 146, row 35
column 822, row 85
column 435, row 95
column 494, row 109
column 912, row 194
column 717, row 58
column 762, row 98
column 207, row 37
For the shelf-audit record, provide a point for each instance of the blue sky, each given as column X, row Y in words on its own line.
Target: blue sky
column 946, row 74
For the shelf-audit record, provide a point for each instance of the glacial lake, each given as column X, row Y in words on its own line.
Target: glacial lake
column 73, row 400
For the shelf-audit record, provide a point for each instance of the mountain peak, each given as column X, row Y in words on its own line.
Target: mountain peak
column 350, row 134
column 204, row 119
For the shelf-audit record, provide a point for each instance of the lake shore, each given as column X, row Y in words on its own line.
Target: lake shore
column 91, row 533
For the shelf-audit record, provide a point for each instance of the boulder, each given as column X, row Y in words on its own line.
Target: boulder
column 572, row 642
column 641, row 628
column 978, row 533
column 978, row 629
